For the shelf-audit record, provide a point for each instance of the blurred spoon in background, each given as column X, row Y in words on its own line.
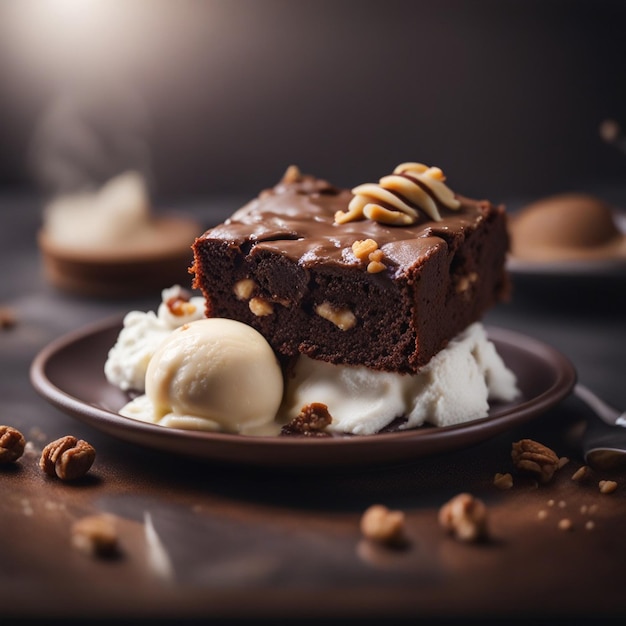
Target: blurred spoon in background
column 604, row 440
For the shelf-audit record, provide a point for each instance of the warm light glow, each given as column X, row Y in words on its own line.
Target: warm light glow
column 68, row 14
column 68, row 39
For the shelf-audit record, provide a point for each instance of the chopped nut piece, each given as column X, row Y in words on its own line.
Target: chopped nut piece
column 310, row 422
column 465, row 517
column 565, row 524
column 67, row 458
column 382, row 525
column 531, row 456
column 344, row 319
column 466, row 281
column 377, row 255
column 503, row 481
column 607, row 486
column 292, row 174
column 95, row 535
column 179, row 304
column 374, row 267
column 12, row 444
column 243, row 288
column 8, row 317
column 562, row 504
column 563, row 461
column 582, row 472
column 589, row 525
column 261, row 307
column 363, row 248
column 542, row 514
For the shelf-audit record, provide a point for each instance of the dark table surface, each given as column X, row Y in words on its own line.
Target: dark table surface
column 256, row 543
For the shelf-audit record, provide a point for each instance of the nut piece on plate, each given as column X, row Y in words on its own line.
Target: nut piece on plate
column 383, row 526
column 95, row 535
column 535, row 458
column 465, row 517
column 310, row 422
column 67, row 458
column 12, row 444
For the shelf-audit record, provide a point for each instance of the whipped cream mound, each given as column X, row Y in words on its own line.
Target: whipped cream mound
column 455, row 386
column 212, row 374
column 142, row 333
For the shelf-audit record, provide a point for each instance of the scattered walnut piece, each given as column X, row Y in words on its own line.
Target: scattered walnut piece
column 465, row 517
column 607, row 486
column 542, row 514
column 261, row 307
column 503, row 481
column 582, row 472
column 67, row 458
column 310, row 422
column 12, row 444
column 563, row 461
column 8, row 318
column 566, row 524
column 95, row 535
column 343, row 318
column 243, row 288
column 531, row 456
column 382, row 525
column 590, row 525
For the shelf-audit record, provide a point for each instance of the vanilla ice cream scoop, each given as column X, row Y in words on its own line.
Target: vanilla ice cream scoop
column 217, row 371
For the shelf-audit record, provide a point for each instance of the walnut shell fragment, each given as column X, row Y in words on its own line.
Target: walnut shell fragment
column 465, row 517
column 533, row 457
column 95, row 535
column 382, row 525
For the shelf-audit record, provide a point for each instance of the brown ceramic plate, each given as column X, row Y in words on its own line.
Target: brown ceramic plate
column 69, row 373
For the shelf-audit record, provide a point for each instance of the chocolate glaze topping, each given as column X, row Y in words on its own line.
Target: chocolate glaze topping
column 296, row 219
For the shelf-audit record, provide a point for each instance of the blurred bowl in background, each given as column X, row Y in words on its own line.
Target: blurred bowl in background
column 133, row 268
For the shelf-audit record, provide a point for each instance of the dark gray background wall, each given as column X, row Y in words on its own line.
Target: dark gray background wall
column 221, row 96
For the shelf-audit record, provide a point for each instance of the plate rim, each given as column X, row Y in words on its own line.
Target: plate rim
column 127, row 429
